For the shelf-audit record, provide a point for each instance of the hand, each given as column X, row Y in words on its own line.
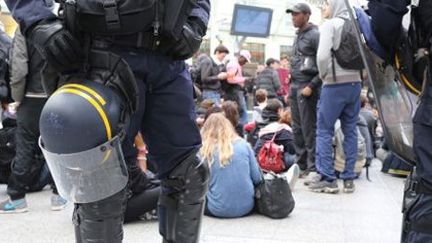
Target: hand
column 200, row 121
column 13, row 107
column 307, row 91
column 222, row 76
column 286, row 99
column 230, row 75
column 57, row 45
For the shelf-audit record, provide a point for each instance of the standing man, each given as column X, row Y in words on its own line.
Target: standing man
column 213, row 72
column 284, row 78
column 140, row 73
column 236, row 83
column 268, row 79
column 305, row 87
column 340, row 99
column 29, row 97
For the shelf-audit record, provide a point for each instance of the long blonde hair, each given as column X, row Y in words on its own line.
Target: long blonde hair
column 218, row 135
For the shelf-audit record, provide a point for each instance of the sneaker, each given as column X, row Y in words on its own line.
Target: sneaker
column 148, row 216
column 348, row 186
column 292, row 175
column 57, row 202
column 13, row 206
column 324, row 186
column 313, row 177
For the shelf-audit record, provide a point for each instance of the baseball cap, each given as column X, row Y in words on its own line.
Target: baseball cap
column 300, row 8
column 246, row 54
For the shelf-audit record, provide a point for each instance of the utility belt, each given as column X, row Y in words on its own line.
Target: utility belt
column 415, row 185
column 141, row 40
column 413, row 189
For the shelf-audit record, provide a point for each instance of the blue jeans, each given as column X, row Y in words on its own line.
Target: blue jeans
column 289, row 159
column 339, row 101
column 243, row 108
column 212, row 95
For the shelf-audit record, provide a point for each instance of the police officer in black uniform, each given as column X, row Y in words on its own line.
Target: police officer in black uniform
column 386, row 23
column 122, row 62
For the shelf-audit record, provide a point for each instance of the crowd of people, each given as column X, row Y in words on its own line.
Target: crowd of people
column 297, row 102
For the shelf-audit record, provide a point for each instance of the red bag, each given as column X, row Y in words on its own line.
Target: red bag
column 270, row 156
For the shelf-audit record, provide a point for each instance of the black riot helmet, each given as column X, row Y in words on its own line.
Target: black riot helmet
column 81, row 126
column 79, row 117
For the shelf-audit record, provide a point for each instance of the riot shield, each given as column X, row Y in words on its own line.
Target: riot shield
column 395, row 104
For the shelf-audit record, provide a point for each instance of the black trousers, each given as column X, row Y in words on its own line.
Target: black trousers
column 100, row 221
column 420, row 212
column 304, row 119
column 26, row 166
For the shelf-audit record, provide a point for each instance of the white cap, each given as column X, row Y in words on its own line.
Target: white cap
column 246, row 54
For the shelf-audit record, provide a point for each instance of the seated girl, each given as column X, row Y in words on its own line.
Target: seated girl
column 278, row 121
column 233, row 166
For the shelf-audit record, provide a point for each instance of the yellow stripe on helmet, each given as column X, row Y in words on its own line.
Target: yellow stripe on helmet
column 95, row 104
column 87, row 89
column 404, row 78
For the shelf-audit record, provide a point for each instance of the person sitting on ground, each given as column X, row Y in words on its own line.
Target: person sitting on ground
column 249, row 128
column 233, row 166
column 201, row 110
column 143, row 186
column 231, row 112
column 261, row 99
column 280, row 121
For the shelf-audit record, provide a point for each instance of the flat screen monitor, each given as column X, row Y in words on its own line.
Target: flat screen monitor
column 251, row 21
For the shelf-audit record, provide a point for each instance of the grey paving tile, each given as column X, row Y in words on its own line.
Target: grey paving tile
column 371, row 214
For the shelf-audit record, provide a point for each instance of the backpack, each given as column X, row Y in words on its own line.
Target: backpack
column 339, row 155
column 270, row 156
column 346, row 56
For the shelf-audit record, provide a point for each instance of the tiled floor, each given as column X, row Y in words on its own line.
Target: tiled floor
column 371, row 214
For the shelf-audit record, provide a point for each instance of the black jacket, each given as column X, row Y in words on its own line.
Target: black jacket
column 268, row 79
column 305, row 44
column 284, row 138
column 209, row 72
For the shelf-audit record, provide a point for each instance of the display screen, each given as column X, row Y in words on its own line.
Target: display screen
column 251, row 21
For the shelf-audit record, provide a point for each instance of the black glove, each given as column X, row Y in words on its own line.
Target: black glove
column 189, row 41
column 57, row 45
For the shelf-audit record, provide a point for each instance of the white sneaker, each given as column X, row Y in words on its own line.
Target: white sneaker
column 57, row 202
column 292, row 175
column 313, row 177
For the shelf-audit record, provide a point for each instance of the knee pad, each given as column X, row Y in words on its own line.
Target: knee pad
column 181, row 203
column 100, row 221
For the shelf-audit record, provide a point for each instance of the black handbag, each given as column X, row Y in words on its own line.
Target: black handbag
column 273, row 196
column 309, row 66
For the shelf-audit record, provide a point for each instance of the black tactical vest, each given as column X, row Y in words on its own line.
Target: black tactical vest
column 125, row 17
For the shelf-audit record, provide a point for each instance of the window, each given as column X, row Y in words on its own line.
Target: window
column 257, row 51
column 205, row 47
column 286, row 50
